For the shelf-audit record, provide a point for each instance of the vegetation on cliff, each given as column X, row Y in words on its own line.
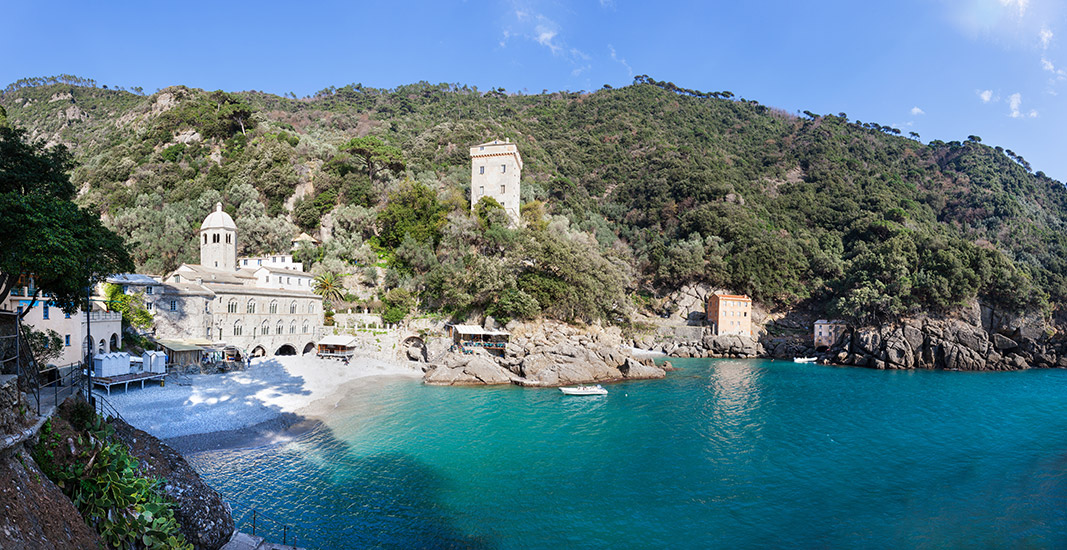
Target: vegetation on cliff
column 77, row 450
column 625, row 191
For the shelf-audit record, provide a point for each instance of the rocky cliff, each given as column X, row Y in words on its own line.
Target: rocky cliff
column 36, row 513
column 951, row 344
column 205, row 519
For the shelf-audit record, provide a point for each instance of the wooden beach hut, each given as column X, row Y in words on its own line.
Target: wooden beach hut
column 181, row 353
column 338, row 346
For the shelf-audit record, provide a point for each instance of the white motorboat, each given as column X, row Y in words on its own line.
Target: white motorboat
column 805, row 359
column 585, row 390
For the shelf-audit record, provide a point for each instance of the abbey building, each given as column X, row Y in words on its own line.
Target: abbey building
column 256, row 307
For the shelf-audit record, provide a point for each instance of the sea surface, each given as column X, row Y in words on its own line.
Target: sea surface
column 721, row 454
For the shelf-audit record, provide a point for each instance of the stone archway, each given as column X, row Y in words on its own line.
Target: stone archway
column 285, row 349
column 309, row 348
column 258, row 351
column 414, row 348
column 114, row 341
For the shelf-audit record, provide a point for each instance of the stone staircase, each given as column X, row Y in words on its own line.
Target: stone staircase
column 244, row 541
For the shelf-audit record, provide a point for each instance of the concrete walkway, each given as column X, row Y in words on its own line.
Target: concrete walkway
column 244, row 541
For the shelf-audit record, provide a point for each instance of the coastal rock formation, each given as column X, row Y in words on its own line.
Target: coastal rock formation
column 547, row 354
column 478, row 369
column 949, row 344
column 206, row 520
column 710, row 345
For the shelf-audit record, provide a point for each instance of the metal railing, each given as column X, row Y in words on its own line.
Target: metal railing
column 289, row 532
column 70, row 380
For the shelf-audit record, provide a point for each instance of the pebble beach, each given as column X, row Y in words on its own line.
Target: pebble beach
column 272, row 400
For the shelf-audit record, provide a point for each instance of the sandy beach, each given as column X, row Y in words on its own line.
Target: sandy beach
column 275, row 399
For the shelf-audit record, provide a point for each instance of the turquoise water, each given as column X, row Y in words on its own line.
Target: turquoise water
column 721, row 454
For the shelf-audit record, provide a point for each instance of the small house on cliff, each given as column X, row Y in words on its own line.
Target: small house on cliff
column 826, row 333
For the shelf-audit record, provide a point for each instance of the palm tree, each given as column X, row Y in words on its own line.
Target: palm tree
column 330, row 287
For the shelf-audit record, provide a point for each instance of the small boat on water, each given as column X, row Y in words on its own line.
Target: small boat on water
column 805, row 359
column 584, row 390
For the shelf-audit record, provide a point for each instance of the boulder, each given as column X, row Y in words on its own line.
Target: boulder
column 206, row 520
column 1001, row 342
column 634, row 369
column 468, row 370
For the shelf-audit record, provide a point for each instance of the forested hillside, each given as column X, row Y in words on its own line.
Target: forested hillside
column 626, row 192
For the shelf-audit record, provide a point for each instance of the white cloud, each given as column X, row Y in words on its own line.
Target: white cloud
column 1046, row 37
column 986, row 95
column 1033, row 113
column 1014, row 102
column 917, row 111
column 1021, row 4
column 536, row 27
column 616, row 58
column 545, row 36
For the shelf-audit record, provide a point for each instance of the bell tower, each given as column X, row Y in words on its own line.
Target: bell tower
column 218, row 241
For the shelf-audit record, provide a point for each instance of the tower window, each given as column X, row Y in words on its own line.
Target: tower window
column 502, row 187
column 503, row 168
column 481, row 190
column 227, row 239
column 205, row 238
column 481, row 169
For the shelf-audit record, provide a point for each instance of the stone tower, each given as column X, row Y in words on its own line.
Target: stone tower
column 495, row 170
column 218, row 241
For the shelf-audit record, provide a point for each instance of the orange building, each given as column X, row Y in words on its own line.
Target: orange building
column 730, row 314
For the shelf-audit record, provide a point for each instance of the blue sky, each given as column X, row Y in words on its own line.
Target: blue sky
column 945, row 69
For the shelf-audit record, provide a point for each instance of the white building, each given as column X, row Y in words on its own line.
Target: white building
column 261, row 309
column 495, row 170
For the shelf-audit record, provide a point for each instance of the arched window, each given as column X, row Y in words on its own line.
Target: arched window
column 237, row 328
column 205, row 238
column 292, row 327
column 266, row 328
column 292, row 307
column 311, row 307
column 305, row 327
column 251, row 306
column 274, row 306
column 281, row 328
column 227, row 238
column 232, row 306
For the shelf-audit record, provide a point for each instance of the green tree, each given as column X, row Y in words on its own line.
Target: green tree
column 130, row 305
column 412, row 210
column 398, row 303
column 376, row 155
column 45, row 345
column 63, row 247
